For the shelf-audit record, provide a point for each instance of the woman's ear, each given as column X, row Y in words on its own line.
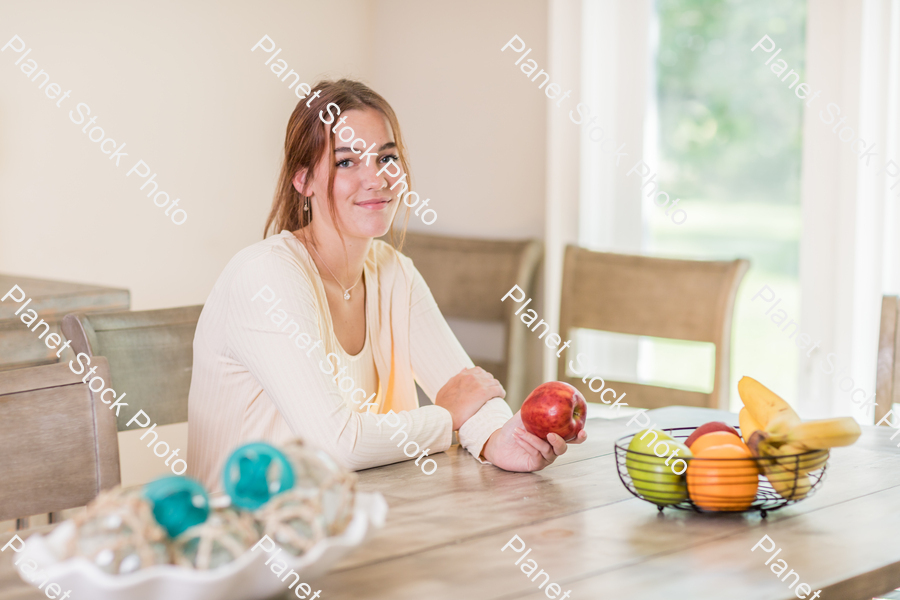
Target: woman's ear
column 300, row 183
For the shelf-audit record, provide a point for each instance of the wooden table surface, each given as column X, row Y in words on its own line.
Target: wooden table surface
column 51, row 300
column 444, row 532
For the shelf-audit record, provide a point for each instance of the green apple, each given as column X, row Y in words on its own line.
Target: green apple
column 655, row 480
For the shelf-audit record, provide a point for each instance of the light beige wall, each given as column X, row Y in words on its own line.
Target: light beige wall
column 176, row 82
column 475, row 133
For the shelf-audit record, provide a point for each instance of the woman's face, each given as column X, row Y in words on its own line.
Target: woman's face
column 364, row 203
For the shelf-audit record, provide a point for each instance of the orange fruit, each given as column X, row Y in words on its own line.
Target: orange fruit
column 722, row 478
column 716, row 438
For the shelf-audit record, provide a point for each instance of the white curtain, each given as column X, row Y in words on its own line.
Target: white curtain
column 564, row 58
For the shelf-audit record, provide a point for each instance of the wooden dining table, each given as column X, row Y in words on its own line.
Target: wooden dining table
column 51, row 300
column 445, row 533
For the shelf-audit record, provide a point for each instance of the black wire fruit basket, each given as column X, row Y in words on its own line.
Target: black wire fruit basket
column 719, row 485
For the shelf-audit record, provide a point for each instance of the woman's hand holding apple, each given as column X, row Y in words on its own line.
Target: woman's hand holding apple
column 513, row 449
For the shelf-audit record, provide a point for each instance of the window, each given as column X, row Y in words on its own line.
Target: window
column 723, row 141
column 730, row 148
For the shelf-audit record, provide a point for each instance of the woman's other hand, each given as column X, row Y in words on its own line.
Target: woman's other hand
column 513, row 449
column 466, row 392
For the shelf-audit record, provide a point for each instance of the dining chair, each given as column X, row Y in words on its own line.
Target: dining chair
column 467, row 278
column 150, row 356
column 58, row 441
column 886, row 392
column 647, row 296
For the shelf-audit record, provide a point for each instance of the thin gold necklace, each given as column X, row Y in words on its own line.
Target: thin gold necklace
column 333, row 276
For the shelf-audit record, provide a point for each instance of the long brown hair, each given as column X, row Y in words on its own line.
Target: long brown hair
column 308, row 140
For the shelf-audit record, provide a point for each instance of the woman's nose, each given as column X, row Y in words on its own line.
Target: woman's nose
column 372, row 180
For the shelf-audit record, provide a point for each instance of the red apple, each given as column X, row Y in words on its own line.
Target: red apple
column 709, row 428
column 554, row 407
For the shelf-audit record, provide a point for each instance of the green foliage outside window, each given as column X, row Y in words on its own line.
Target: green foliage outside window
column 729, row 145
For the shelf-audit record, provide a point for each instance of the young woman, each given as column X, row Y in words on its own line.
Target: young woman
column 316, row 330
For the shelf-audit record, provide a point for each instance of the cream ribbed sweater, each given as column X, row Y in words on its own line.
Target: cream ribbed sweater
column 257, row 376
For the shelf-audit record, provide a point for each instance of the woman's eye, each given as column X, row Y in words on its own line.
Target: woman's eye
column 393, row 157
column 345, row 163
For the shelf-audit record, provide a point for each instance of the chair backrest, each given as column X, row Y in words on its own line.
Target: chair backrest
column 886, row 389
column 58, row 441
column 150, row 356
column 468, row 277
column 641, row 295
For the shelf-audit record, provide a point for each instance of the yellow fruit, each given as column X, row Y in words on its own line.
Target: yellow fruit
column 786, row 457
column 781, row 424
column 820, row 434
column 748, row 424
column 762, row 403
column 788, row 484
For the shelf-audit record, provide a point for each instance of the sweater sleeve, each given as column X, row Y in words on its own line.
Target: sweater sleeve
column 266, row 296
column 437, row 356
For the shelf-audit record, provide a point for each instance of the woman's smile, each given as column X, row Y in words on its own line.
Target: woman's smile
column 374, row 203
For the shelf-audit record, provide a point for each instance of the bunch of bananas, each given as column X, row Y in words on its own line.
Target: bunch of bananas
column 771, row 429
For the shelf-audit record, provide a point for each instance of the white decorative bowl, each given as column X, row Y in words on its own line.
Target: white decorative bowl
column 246, row 578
